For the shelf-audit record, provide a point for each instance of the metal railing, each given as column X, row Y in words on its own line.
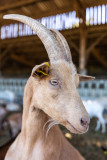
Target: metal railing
column 15, row 85
column 90, row 89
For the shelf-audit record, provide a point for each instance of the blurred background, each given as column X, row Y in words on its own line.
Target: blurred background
column 84, row 25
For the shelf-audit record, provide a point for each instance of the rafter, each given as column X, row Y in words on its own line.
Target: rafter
column 22, row 60
column 4, row 61
column 95, row 43
column 80, row 8
column 26, row 11
column 99, row 57
column 17, row 5
column 75, row 47
column 4, row 53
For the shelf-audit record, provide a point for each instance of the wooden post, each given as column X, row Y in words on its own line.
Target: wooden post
column 82, row 58
column 83, row 39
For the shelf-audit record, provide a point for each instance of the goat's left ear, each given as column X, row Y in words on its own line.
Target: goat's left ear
column 85, row 78
column 41, row 70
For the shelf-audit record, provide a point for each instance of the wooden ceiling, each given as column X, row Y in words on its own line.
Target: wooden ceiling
column 42, row 8
column 18, row 55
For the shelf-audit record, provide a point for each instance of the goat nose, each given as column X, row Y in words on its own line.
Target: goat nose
column 84, row 122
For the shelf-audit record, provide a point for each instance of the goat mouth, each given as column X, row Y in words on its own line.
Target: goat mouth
column 77, row 131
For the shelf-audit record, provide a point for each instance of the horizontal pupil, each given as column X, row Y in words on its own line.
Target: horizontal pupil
column 54, row 82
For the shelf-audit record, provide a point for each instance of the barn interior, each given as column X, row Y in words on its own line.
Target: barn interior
column 84, row 25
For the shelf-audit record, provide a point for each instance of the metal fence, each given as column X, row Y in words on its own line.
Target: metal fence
column 15, row 85
column 93, row 89
column 90, row 89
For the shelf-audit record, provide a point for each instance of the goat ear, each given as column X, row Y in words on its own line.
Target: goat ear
column 85, row 78
column 41, row 70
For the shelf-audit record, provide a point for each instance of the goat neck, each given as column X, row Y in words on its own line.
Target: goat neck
column 33, row 122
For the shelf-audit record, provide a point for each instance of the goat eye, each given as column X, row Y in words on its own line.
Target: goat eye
column 54, row 82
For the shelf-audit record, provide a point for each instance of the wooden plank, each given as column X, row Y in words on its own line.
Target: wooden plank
column 43, row 6
column 17, row 5
column 99, row 57
column 26, row 11
column 4, row 61
column 38, row 13
column 97, row 28
column 96, row 43
column 80, row 8
column 29, row 49
column 23, row 39
column 82, row 58
column 35, row 38
column 22, row 60
column 4, row 53
column 94, row 3
column 72, row 44
column 59, row 3
column 72, row 33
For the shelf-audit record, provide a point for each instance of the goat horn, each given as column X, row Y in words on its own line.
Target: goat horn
column 64, row 44
column 47, row 37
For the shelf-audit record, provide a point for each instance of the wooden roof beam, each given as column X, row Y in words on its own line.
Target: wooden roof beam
column 22, row 60
column 98, row 56
column 18, row 4
column 4, row 53
column 3, row 57
column 59, row 3
column 95, row 43
column 26, row 11
column 80, row 8
column 4, row 62
column 75, row 46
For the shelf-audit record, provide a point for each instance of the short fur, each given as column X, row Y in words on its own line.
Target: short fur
column 42, row 101
column 50, row 97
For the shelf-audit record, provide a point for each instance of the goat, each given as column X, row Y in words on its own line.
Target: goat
column 50, row 98
column 3, row 114
column 4, row 148
column 95, row 108
column 7, row 95
column 13, row 124
column 13, row 107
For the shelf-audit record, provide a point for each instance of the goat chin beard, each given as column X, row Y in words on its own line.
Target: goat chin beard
column 51, row 122
column 72, row 129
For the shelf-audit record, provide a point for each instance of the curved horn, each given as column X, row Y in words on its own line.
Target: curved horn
column 47, row 37
column 63, row 44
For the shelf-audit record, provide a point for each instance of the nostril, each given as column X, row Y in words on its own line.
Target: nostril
column 84, row 122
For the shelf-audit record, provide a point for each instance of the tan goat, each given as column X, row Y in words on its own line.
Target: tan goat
column 13, row 124
column 3, row 114
column 50, row 97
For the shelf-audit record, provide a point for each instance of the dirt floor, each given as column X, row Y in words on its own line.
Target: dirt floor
column 92, row 145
